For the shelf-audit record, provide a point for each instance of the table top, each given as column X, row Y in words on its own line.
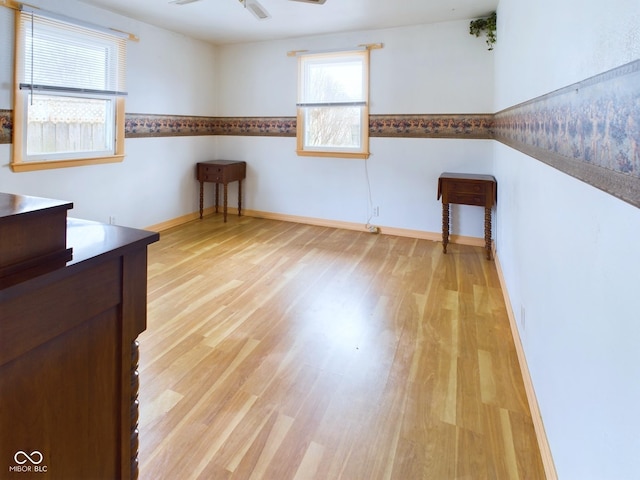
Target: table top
column 468, row 176
column 222, row 162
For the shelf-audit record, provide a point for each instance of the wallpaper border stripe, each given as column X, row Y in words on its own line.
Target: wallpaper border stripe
column 589, row 130
column 415, row 126
column 140, row 125
column 6, row 126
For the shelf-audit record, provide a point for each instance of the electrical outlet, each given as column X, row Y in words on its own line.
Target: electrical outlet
column 376, row 211
column 112, row 219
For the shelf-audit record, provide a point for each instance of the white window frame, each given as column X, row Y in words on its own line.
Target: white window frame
column 26, row 84
column 306, row 104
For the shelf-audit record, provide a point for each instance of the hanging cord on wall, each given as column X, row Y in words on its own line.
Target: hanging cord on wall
column 31, row 59
column 369, row 227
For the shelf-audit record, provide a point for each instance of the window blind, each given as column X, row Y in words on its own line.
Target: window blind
column 61, row 56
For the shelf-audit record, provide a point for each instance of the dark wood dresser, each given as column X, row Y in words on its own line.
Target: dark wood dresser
column 221, row 172
column 467, row 189
column 68, row 349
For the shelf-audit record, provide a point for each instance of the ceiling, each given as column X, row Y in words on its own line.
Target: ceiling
column 227, row 21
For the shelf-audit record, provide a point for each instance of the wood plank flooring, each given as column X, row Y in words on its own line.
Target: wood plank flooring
column 283, row 351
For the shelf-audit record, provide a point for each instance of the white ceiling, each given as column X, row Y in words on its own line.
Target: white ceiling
column 227, row 21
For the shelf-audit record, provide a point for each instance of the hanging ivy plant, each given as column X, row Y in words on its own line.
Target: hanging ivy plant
column 485, row 25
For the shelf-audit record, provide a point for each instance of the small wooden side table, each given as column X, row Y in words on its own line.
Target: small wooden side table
column 467, row 189
column 221, row 172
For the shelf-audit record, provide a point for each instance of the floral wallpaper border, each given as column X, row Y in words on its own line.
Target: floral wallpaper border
column 139, row 125
column 418, row 126
column 6, row 125
column 472, row 125
column 590, row 130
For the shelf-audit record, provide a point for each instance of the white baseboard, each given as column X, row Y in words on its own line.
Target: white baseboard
column 175, row 222
column 536, row 416
column 400, row 232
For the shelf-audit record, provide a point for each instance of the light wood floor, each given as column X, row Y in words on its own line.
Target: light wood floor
column 283, row 351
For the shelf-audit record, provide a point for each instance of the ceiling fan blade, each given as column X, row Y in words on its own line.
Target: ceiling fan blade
column 183, row 2
column 256, row 9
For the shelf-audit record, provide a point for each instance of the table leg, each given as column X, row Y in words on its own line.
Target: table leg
column 487, row 231
column 240, row 197
column 225, row 203
column 217, row 197
column 201, row 198
column 445, row 226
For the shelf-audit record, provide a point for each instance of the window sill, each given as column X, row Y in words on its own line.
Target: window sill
column 311, row 153
column 32, row 166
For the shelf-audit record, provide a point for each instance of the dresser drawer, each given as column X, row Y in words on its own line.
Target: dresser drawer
column 465, row 198
column 211, row 173
column 212, row 177
column 212, row 169
column 467, row 187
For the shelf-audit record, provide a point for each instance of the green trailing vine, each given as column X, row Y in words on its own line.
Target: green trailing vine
column 485, row 25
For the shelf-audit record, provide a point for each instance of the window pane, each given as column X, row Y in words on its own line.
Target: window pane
column 69, row 103
column 334, row 81
column 331, row 127
column 333, row 93
column 63, row 125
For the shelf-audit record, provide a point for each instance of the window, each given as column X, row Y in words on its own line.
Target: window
column 333, row 111
column 68, row 99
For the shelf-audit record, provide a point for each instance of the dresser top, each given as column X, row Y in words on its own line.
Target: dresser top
column 12, row 205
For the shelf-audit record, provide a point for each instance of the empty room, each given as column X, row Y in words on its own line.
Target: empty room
column 307, row 239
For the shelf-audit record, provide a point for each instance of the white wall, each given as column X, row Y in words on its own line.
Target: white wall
column 569, row 251
column 436, row 68
column 167, row 73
